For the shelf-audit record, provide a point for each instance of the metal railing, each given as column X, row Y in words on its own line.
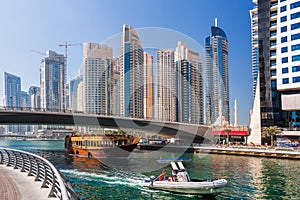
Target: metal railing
column 41, row 169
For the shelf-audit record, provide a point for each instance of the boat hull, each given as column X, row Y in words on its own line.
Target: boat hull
column 120, row 151
column 203, row 187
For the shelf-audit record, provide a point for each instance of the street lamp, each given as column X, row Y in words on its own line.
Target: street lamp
column 11, row 102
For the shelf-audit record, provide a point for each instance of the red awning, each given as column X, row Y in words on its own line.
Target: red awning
column 233, row 132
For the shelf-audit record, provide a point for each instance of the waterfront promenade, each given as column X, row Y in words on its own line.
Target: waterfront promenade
column 16, row 185
column 261, row 151
column 290, row 153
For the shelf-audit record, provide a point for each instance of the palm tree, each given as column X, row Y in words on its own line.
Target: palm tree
column 271, row 131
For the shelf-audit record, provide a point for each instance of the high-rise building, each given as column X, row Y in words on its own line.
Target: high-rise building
column 116, row 90
column 25, row 100
column 276, row 62
column 131, row 74
column 189, row 78
column 35, row 97
column 12, row 84
column 52, row 81
column 148, row 86
column 67, row 93
column 97, row 78
column 166, row 85
column 217, row 76
column 74, row 89
column 34, row 93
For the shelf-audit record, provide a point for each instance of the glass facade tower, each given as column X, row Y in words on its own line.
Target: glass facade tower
column 52, row 81
column 217, row 76
column 131, row 74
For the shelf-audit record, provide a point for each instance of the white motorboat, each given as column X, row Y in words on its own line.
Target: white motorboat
column 180, row 182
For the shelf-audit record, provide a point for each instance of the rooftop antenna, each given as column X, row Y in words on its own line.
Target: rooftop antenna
column 216, row 22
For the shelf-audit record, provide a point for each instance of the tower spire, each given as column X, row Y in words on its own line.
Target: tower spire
column 216, row 22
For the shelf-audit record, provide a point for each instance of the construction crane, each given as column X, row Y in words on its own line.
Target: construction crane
column 66, row 45
column 38, row 52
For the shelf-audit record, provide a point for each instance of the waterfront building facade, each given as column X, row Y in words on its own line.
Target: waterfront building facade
column 12, row 92
column 148, row 86
column 276, row 45
column 166, row 85
column 52, row 81
column 116, row 91
column 75, row 102
column 131, row 74
column 97, row 78
column 217, row 76
column 189, row 83
column 34, row 93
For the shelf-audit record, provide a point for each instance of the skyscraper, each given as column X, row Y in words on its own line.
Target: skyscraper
column 74, row 93
column 217, row 76
column 52, row 81
column 12, row 84
column 189, row 75
column 97, row 78
column 276, row 61
column 166, row 85
column 148, row 86
column 131, row 74
column 12, row 94
column 25, row 100
column 34, row 93
column 116, row 90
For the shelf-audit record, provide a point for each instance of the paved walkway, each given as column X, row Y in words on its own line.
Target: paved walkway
column 16, row 185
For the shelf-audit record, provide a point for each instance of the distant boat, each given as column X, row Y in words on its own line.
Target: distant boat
column 106, row 145
column 180, row 182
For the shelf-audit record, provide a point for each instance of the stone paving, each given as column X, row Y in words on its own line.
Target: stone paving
column 16, row 185
column 8, row 189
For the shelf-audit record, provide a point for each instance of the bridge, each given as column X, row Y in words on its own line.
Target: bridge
column 40, row 116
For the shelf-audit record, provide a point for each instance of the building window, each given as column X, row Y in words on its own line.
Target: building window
column 284, row 49
column 296, row 79
column 284, row 39
column 295, row 36
column 272, row 53
column 282, row 0
column 285, row 80
column 296, row 68
column 283, row 19
column 295, row 26
column 273, row 33
column 273, row 72
column 295, row 47
column 295, row 5
column 295, row 58
column 282, row 8
column 285, row 70
column 295, row 15
column 273, row 62
column 285, row 60
column 273, row 83
column 283, row 29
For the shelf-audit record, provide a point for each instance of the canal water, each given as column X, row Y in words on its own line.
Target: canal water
column 248, row 177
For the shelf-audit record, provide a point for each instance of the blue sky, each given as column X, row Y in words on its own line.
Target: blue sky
column 42, row 25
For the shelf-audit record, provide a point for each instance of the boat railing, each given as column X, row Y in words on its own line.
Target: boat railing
column 41, row 169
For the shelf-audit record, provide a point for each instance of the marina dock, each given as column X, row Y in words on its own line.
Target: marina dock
column 277, row 152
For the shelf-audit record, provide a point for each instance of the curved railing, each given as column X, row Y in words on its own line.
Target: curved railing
column 41, row 169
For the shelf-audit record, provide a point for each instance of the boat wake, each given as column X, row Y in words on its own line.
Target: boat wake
column 114, row 179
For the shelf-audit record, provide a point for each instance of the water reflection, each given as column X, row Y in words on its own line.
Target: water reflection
column 248, row 177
